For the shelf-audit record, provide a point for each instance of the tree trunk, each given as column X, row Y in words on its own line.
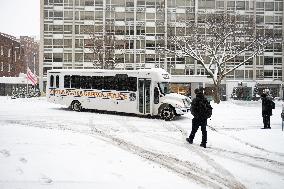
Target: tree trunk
column 216, row 93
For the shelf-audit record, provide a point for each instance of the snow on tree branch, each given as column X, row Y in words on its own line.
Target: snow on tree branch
column 218, row 40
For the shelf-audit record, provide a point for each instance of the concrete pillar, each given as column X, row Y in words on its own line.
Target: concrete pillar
column 281, row 91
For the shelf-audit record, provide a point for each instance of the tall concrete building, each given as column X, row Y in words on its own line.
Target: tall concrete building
column 135, row 33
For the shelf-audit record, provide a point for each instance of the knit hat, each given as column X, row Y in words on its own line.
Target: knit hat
column 198, row 91
column 263, row 95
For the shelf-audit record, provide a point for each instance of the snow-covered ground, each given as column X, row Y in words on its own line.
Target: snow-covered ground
column 44, row 145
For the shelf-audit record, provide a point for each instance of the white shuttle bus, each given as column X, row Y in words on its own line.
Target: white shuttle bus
column 143, row 92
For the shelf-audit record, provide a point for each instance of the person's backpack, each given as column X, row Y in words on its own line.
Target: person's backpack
column 208, row 110
column 272, row 104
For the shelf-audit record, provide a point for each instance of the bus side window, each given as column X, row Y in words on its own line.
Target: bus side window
column 98, row 82
column 89, row 82
column 51, row 81
column 132, row 84
column 75, row 81
column 110, row 83
column 156, row 95
column 122, row 84
column 67, row 81
column 57, row 81
column 84, row 82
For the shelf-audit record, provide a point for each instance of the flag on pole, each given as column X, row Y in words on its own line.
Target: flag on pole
column 31, row 76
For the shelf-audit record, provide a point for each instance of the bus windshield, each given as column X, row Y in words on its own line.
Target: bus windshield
column 164, row 87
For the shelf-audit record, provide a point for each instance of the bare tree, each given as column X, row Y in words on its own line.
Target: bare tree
column 217, row 40
column 102, row 48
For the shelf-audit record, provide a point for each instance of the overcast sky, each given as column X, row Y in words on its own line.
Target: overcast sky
column 20, row 17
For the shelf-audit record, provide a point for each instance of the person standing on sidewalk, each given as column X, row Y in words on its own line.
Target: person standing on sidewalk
column 267, row 106
column 201, row 110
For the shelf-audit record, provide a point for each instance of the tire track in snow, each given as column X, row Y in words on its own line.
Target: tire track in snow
column 238, row 156
column 183, row 168
column 254, row 161
column 246, row 143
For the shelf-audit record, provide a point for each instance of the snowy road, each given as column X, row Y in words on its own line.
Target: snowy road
column 152, row 153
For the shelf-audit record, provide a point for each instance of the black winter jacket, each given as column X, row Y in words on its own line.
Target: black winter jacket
column 200, row 107
column 267, row 106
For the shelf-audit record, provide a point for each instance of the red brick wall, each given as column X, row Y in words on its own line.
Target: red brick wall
column 23, row 52
column 31, row 53
column 9, row 45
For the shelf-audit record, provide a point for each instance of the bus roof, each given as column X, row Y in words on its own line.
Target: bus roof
column 158, row 74
column 151, row 70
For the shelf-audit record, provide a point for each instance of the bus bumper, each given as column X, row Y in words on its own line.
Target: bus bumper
column 182, row 111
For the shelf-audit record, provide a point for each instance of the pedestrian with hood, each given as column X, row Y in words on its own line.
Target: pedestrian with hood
column 201, row 110
column 267, row 106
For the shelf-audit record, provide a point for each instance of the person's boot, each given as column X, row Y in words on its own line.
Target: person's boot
column 203, row 145
column 190, row 141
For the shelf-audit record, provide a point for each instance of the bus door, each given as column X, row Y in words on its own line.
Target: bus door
column 144, row 95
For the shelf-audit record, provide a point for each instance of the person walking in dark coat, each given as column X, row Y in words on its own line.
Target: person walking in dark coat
column 267, row 106
column 201, row 110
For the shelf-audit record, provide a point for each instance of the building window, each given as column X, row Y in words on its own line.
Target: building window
column 2, row 66
column 89, row 3
column 58, row 15
column 57, row 57
column 268, row 61
column 259, row 73
column 277, row 73
column 239, row 74
column 47, row 57
column 240, row 5
column 277, row 61
column 2, row 52
column 268, row 73
column 9, row 67
column 269, row 6
column 57, row 43
column 58, row 2
column 9, row 52
column 260, row 5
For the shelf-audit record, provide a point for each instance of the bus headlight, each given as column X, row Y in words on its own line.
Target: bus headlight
column 178, row 106
column 186, row 102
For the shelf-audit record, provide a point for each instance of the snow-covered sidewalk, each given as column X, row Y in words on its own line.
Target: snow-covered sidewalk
column 44, row 145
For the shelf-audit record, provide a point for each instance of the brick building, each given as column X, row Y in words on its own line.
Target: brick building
column 11, row 56
column 15, row 56
column 30, row 53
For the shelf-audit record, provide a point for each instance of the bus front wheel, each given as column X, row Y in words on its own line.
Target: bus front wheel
column 76, row 106
column 167, row 113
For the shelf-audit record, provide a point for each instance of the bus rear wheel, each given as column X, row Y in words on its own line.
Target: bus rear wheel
column 167, row 113
column 76, row 106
